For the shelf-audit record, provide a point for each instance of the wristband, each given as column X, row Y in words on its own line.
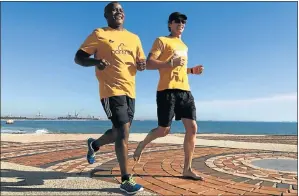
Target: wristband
column 171, row 62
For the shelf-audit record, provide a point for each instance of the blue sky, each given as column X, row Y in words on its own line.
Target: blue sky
column 249, row 50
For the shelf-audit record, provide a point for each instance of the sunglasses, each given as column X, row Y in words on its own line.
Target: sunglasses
column 178, row 21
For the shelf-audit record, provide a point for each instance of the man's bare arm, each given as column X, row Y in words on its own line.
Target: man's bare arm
column 152, row 63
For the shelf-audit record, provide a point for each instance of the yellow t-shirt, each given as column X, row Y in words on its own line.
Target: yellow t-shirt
column 163, row 49
column 121, row 49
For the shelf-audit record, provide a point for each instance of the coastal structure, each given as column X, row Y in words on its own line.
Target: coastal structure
column 77, row 117
column 39, row 116
column 9, row 121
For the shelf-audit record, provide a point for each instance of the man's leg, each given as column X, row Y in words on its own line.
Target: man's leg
column 111, row 134
column 121, row 149
column 189, row 146
column 152, row 135
column 107, row 138
column 124, row 114
column 128, row 184
column 120, row 137
column 187, row 113
column 165, row 113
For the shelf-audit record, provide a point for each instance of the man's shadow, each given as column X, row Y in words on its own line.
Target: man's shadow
column 34, row 178
column 30, row 178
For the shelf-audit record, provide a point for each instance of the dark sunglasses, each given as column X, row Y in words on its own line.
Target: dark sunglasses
column 178, row 21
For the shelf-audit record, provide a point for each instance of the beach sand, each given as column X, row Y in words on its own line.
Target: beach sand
column 219, row 140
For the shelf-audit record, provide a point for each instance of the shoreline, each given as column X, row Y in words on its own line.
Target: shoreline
column 55, row 119
column 141, row 120
column 174, row 134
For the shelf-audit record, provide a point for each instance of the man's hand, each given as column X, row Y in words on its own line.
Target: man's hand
column 141, row 64
column 197, row 69
column 177, row 61
column 102, row 64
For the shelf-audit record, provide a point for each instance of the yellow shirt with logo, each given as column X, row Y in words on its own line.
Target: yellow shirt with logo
column 121, row 49
column 163, row 49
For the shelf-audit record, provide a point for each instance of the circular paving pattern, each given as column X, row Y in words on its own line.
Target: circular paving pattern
column 226, row 171
column 279, row 164
column 242, row 165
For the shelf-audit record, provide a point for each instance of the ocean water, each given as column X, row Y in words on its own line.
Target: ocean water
column 222, row 127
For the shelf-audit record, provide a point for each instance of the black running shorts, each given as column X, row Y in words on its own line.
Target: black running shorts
column 119, row 109
column 174, row 102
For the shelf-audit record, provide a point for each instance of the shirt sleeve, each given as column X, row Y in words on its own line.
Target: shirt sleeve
column 157, row 48
column 90, row 44
column 140, row 53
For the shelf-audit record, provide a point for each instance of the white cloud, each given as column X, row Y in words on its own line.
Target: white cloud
column 274, row 108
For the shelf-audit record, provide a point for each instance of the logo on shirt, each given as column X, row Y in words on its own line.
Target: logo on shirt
column 121, row 50
column 180, row 53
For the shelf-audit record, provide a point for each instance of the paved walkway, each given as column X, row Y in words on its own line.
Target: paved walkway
column 25, row 180
column 227, row 171
column 278, row 139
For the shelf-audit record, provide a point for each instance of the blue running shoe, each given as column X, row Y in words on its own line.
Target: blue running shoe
column 90, row 153
column 130, row 186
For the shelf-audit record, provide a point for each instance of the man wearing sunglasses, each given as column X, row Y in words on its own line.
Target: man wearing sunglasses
column 169, row 56
column 118, row 54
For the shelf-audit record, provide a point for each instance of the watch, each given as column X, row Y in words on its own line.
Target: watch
column 171, row 62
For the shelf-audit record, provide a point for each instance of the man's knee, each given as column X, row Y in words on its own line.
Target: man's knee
column 190, row 126
column 122, row 131
column 193, row 128
column 112, row 131
column 163, row 131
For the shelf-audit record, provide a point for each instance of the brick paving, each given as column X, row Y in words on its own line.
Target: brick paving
column 227, row 171
column 277, row 139
column 240, row 165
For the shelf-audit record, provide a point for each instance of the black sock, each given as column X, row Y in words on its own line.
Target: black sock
column 125, row 177
column 94, row 146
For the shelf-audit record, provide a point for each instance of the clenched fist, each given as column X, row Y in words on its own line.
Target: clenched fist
column 178, row 61
column 197, row 69
column 102, row 64
column 141, row 64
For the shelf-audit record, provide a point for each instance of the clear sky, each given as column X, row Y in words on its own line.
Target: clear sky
column 249, row 50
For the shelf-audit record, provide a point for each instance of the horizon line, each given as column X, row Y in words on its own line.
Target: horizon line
column 150, row 119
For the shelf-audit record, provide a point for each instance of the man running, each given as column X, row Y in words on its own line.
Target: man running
column 117, row 54
column 169, row 56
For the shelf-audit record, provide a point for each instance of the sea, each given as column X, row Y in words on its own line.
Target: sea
column 98, row 127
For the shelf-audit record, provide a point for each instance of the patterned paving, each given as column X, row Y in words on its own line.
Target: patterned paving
column 277, row 139
column 227, row 171
column 241, row 165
